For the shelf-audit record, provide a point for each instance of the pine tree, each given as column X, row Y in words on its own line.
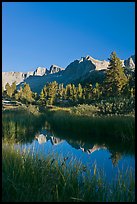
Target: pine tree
column 51, row 90
column 74, row 93
column 25, row 94
column 97, row 91
column 116, row 79
column 79, row 92
column 88, row 91
column 69, row 92
column 8, row 90
column 42, row 96
column 19, row 94
column 115, row 157
column 13, row 87
column 61, row 92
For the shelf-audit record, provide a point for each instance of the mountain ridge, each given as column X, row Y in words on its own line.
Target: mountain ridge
column 86, row 68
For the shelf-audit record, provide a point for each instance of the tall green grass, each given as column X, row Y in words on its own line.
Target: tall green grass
column 114, row 127
column 21, row 124
column 29, row 179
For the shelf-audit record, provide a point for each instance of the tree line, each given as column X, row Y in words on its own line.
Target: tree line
column 116, row 83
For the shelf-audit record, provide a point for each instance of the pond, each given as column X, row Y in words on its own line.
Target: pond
column 38, row 136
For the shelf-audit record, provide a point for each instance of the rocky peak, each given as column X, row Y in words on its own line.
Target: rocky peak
column 54, row 69
column 87, row 68
column 40, row 71
column 130, row 62
column 27, row 74
column 99, row 65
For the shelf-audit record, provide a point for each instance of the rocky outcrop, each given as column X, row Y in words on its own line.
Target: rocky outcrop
column 54, row 69
column 40, row 71
column 85, row 68
column 27, row 74
column 11, row 77
column 19, row 77
column 130, row 62
column 99, row 65
column 85, row 65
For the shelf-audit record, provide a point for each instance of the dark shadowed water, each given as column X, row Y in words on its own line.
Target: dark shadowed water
column 37, row 136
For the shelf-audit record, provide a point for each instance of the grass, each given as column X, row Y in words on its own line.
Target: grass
column 117, row 127
column 21, row 124
column 26, row 178
column 116, row 132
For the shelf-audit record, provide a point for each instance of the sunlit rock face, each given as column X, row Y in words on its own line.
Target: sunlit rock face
column 130, row 62
column 18, row 77
column 54, row 69
column 27, row 74
column 11, row 77
column 40, row 71
column 99, row 65
column 85, row 70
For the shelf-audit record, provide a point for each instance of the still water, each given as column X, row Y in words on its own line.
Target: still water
column 37, row 136
column 86, row 154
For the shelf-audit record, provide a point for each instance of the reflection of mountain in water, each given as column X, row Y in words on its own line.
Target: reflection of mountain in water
column 88, row 148
column 55, row 140
column 93, row 149
column 41, row 138
column 44, row 138
column 79, row 145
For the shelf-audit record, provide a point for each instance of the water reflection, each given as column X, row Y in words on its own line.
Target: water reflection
column 41, row 138
column 44, row 138
column 115, row 157
column 36, row 133
column 93, row 149
column 87, row 148
column 87, row 154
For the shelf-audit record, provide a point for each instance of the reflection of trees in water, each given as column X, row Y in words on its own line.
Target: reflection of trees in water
column 20, row 126
column 109, row 131
column 115, row 157
column 87, row 141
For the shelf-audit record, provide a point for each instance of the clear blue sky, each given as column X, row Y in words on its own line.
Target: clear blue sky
column 44, row 33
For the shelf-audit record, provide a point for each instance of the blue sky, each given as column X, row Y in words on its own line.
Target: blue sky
column 44, row 33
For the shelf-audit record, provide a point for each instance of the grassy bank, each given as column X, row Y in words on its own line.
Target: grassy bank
column 116, row 126
column 116, row 132
column 21, row 124
column 25, row 178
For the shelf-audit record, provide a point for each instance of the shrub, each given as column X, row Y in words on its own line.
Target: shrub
column 117, row 106
column 85, row 109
